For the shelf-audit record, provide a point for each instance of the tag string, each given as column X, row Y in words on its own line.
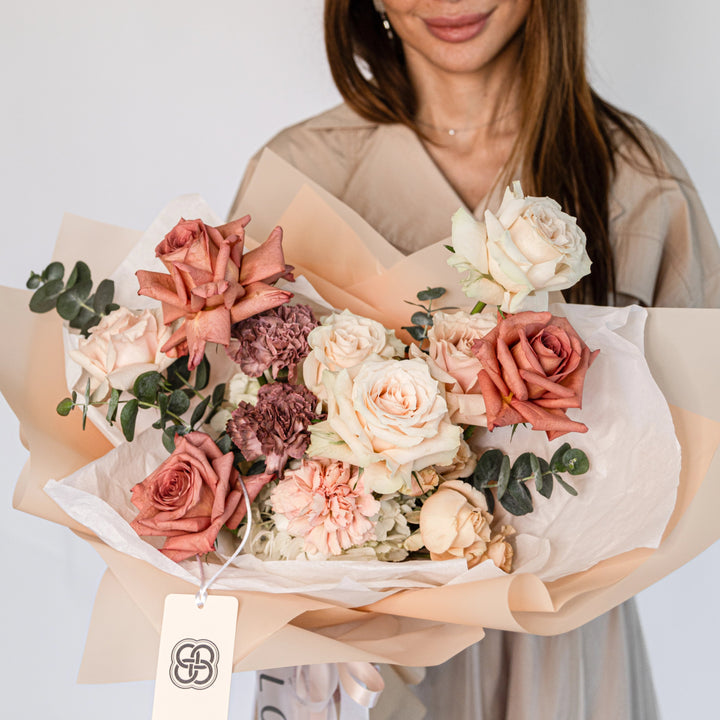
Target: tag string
column 201, row 595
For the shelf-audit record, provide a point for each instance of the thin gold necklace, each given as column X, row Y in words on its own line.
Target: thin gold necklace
column 452, row 131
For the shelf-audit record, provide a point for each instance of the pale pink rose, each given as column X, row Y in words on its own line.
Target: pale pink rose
column 453, row 363
column 188, row 498
column 123, row 345
column 455, row 523
column 326, row 503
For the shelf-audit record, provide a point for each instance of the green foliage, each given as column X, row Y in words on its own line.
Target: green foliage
column 494, row 471
column 73, row 301
column 422, row 321
column 128, row 417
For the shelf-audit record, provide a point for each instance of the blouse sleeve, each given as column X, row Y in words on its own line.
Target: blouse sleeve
column 666, row 252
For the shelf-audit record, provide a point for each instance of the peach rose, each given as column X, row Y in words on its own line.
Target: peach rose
column 534, row 367
column 123, row 345
column 188, row 498
column 455, row 523
column 211, row 284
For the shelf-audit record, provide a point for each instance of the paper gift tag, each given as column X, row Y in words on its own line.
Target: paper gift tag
column 195, row 660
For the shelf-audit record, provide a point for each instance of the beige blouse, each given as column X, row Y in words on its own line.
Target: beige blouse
column 666, row 255
column 665, row 251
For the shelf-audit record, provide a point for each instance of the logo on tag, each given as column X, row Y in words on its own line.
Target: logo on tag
column 194, row 664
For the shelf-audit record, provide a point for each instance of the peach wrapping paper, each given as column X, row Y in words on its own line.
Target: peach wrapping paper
column 416, row 627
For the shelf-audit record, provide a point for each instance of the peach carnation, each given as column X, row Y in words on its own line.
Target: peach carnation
column 326, row 503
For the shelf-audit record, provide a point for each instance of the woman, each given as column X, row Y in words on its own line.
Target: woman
column 446, row 101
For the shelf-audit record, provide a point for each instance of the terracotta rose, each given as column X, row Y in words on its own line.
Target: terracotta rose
column 212, row 284
column 534, row 367
column 188, row 498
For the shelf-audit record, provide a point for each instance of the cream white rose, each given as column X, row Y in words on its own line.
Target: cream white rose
column 529, row 248
column 343, row 340
column 390, row 418
column 123, row 345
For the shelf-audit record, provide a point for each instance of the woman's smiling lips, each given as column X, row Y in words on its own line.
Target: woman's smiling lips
column 457, row 29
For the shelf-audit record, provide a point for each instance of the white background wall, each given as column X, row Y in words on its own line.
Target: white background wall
column 112, row 108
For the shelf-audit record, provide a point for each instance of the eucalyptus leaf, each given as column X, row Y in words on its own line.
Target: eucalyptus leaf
column 566, row 487
column 69, row 304
column 34, row 281
column 168, row 438
column 80, row 278
column 522, row 467
column 450, row 248
column 64, row 407
column 431, row 294
column 218, row 394
column 576, row 462
column 103, row 296
column 487, row 469
column 202, row 374
column 45, row 297
column 547, row 479
column 516, row 499
column 179, row 403
column 163, row 402
column 199, row 411
column 113, row 405
column 224, row 443
column 128, row 416
column 146, row 386
column 54, row 271
column 504, row 477
column 416, row 333
column 178, row 373
column 83, row 317
column 90, row 323
column 556, row 462
column 421, row 318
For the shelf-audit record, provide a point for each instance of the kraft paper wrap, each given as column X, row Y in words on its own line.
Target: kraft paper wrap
column 351, row 266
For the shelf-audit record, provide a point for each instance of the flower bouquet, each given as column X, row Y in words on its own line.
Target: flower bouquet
column 389, row 503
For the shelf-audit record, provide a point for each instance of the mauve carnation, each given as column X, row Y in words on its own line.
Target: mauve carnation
column 326, row 503
column 276, row 427
column 274, row 340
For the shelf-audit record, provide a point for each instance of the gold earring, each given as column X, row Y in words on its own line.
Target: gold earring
column 380, row 8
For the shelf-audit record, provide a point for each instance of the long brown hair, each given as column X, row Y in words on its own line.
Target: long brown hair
column 565, row 146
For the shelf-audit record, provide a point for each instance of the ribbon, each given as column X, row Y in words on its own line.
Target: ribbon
column 343, row 691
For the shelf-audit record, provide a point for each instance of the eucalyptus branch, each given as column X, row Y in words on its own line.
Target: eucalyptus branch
column 494, row 472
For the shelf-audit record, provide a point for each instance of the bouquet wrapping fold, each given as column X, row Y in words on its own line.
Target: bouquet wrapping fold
column 351, row 267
